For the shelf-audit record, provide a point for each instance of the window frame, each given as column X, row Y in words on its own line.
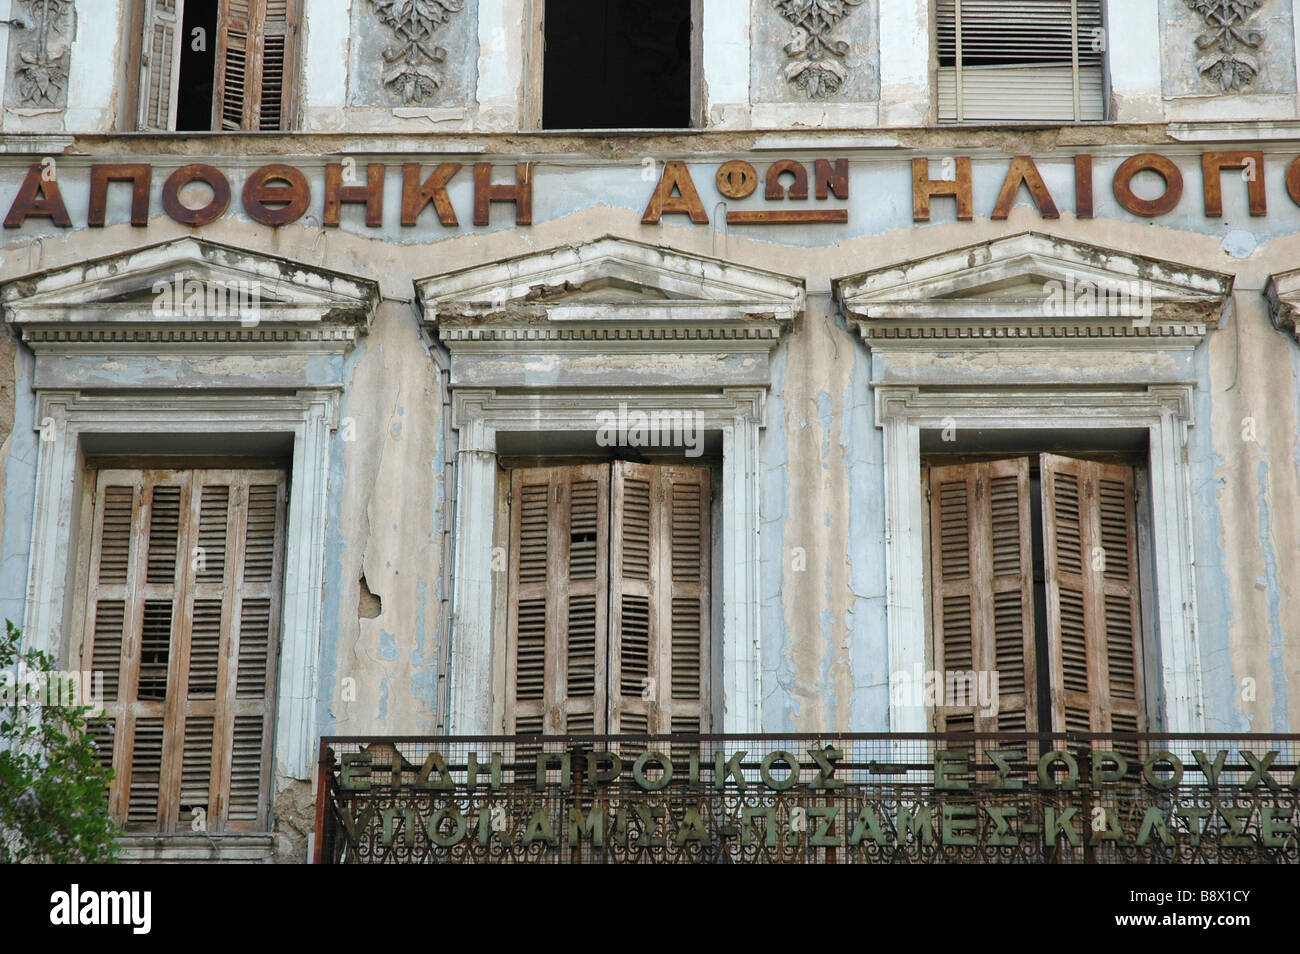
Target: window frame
column 534, row 50
column 135, row 469
column 1164, row 411
column 140, row 21
column 958, row 91
column 1148, row 655
column 478, row 646
column 505, row 589
column 61, row 502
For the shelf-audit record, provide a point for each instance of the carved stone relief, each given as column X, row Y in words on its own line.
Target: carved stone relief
column 39, row 53
column 1228, row 47
column 817, row 61
column 412, row 67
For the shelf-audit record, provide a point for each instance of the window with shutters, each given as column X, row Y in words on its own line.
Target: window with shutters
column 218, row 65
column 609, row 603
column 1021, row 60
column 1034, row 575
column 182, row 619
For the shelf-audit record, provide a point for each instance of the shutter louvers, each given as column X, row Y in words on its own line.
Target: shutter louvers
column 1017, row 60
column 248, row 684
column 256, row 63
column 236, row 89
column 187, row 641
column 659, row 602
column 160, row 54
column 108, row 639
column 1092, row 591
column 277, row 64
column 146, row 773
column 558, row 542
column 983, row 609
column 196, row 768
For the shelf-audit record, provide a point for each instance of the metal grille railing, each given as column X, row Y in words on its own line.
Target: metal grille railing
column 810, row 799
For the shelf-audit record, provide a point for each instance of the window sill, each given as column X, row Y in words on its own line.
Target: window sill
column 252, row 848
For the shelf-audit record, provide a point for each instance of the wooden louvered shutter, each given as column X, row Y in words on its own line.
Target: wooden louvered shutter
column 1021, row 60
column 183, row 621
column 160, row 57
column 1093, row 616
column 982, row 596
column 234, row 100
column 559, row 545
column 659, row 599
column 278, row 65
column 256, row 63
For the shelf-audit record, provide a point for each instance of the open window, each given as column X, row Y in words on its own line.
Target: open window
column 1021, row 60
column 210, row 65
column 182, row 618
column 1034, row 575
column 609, row 605
column 617, row 63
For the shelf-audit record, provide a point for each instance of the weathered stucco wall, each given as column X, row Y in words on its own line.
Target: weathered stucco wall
column 823, row 580
column 825, row 662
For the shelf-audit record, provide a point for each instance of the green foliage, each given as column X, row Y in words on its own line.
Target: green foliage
column 53, row 792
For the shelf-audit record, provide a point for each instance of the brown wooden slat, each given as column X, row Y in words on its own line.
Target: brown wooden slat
column 982, row 602
column 1092, row 586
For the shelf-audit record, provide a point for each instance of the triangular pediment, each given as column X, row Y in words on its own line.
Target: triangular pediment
column 609, row 280
column 187, row 283
column 1033, row 284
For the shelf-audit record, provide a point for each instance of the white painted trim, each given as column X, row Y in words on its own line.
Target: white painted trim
column 479, row 414
column 1165, row 412
column 308, row 415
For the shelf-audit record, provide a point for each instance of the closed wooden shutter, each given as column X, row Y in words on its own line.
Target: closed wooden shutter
column 1020, row 60
column 256, row 64
column 659, row 606
column 185, row 577
column 1092, row 593
column 559, row 547
column 982, row 600
column 609, row 604
column 160, row 57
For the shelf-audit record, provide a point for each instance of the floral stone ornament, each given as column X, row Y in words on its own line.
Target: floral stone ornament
column 816, row 61
column 41, row 76
column 412, row 67
column 1228, row 41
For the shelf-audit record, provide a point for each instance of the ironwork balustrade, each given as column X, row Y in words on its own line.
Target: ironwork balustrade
column 810, row 799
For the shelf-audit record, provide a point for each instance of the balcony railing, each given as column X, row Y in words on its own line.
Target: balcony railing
column 810, row 799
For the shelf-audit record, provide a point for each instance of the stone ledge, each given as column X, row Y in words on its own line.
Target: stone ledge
column 257, row 848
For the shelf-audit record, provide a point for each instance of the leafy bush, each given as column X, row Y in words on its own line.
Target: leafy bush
column 53, row 791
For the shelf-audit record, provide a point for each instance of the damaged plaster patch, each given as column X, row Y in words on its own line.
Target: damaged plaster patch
column 369, row 606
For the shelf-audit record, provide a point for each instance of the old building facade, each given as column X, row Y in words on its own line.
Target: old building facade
column 484, row 368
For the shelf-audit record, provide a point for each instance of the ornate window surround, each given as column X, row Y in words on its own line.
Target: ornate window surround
column 546, row 342
column 80, row 318
column 962, row 339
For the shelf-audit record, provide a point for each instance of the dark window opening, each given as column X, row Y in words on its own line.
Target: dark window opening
column 198, row 66
column 617, row 64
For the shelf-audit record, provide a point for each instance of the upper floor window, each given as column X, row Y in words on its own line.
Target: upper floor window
column 1021, row 60
column 617, row 63
column 208, row 65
